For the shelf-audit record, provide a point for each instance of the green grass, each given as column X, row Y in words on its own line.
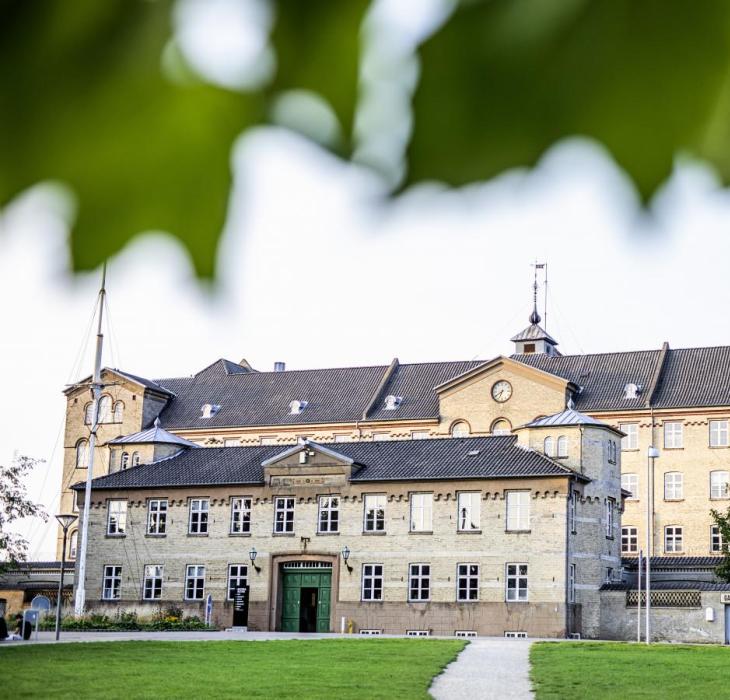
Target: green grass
column 377, row 668
column 604, row 671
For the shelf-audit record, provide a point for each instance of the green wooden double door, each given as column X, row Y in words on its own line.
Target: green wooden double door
column 306, row 600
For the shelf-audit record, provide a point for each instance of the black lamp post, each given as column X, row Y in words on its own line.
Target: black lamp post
column 65, row 521
column 252, row 556
column 345, row 557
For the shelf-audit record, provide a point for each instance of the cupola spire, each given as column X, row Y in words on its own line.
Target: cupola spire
column 535, row 339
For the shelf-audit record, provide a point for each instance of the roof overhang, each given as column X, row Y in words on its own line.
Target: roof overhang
column 308, row 445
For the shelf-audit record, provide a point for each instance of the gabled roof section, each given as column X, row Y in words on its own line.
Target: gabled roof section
column 567, row 417
column 492, row 457
column 152, row 436
column 534, row 332
column 488, row 365
column 307, row 445
column 141, row 381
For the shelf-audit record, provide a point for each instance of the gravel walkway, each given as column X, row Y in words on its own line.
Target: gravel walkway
column 486, row 669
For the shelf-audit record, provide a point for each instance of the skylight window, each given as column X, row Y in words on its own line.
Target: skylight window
column 296, row 407
column 632, row 391
column 392, row 402
column 209, row 410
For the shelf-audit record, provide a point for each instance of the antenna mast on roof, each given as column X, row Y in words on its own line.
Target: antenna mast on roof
column 96, row 387
column 542, row 266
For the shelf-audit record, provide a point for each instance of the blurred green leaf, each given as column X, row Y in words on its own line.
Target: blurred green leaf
column 505, row 79
column 84, row 100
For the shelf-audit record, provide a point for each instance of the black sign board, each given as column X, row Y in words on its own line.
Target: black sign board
column 240, row 607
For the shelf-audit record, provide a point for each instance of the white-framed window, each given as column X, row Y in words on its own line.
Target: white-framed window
column 673, row 486
column 152, row 583
column 266, row 441
column 501, row 426
column 106, row 414
column 118, row 412
column 610, row 506
column 419, row 435
column 89, row 413
column 572, row 511
column 198, row 521
column 719, row 434
column 719, row 484
column 284, row 514
column 75, row 502
column 329, row 514
column 194, row 582
column 116, row 522
column 548, row 446
column 469, row 510
column 629, row 539
column 630, row 441
column 715, row 540
column 241, row 515
column 135, row 459
column 562, row 446
column 630, row 483
column 673, row 435
column 516, row 583
column 237, row 578
column 381, row 437
column 82, row 454
column 342, row 437
column 673, row 539
column 73, row 542
column 157, row 516
column 460, row 429
column 612, row 451
column 421, row 512
column 374, row 513
column 124, row 462
column 111, row 586
column 231, row 442
column 518, row 510
column 372, row 582
column 571, row 583
column 419, row 582
column 467, row 582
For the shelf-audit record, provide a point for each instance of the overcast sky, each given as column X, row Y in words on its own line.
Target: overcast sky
column 312, row 274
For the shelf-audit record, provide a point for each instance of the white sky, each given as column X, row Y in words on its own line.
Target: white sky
column 312, row 274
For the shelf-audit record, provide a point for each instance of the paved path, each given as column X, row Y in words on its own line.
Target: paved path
column 488, row 668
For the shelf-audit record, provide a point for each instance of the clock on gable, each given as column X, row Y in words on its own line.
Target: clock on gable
column 501, row 391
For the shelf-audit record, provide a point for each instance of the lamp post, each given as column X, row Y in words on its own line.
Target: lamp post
column 652, row 454
column 252, row 556
column 345, row 557
column 65, row 521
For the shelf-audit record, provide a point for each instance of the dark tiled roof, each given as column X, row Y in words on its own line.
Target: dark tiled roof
column 335, row 395
column 669, row 586
column 603, row 377
column 148, row 383
column 396, row 460
column 657, row 563
column 694, row 377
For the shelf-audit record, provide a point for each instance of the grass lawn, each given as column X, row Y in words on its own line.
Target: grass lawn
column 605, row 670
column 375, row 668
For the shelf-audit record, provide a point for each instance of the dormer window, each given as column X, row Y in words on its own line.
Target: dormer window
column 209, row 410
column 296, row 407
column 392, row 402
column 632, row 391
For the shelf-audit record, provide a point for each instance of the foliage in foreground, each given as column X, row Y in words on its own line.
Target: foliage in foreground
column 14, row 505
column 100, row 97
column 616, row 671
column 341, row 668
column 163, row 620
column 722, row 520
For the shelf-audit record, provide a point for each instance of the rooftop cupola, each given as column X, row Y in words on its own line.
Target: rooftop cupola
column 535, row 339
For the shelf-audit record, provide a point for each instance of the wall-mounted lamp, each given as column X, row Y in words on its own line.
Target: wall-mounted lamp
column 252, row 556
column 345, row 557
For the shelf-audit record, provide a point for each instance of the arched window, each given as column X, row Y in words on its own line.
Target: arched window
column 562, row 446
column 135, row 459
column 88, row 413
column 547, row 447
column 72, row 543
column 125, row 460
column 501, row 427
column 460, row 429
column 82, row 454
column 118, row 412
column 105, row 409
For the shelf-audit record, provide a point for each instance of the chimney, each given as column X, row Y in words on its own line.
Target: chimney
column 279, row 366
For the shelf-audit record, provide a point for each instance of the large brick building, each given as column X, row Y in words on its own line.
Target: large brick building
column 568, row 414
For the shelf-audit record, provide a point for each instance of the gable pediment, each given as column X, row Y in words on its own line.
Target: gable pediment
column 308, row 465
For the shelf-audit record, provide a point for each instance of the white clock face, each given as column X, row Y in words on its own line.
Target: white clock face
column 502, row 391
